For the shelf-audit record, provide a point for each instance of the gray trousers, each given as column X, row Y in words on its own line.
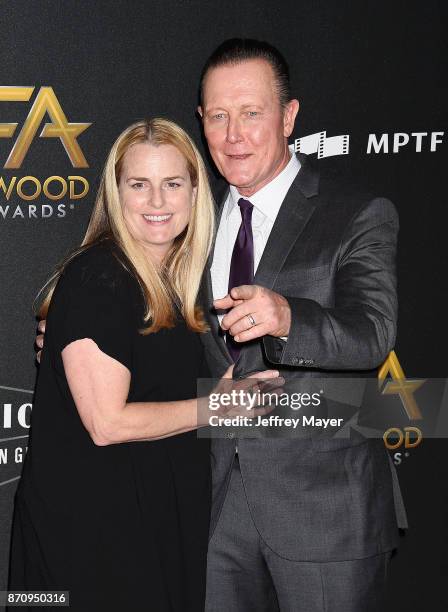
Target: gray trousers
column 245, row 575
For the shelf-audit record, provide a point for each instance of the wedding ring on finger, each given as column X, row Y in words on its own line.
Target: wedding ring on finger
column 251, row 320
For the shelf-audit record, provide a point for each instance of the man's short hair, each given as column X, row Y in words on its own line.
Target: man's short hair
column 238, row 50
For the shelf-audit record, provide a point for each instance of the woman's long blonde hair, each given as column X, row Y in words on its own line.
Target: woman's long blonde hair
column 180, row 275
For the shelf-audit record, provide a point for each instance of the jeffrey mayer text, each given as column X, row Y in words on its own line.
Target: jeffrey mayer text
column 274, row 421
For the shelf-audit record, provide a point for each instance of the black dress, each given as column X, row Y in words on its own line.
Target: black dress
column 124, row 526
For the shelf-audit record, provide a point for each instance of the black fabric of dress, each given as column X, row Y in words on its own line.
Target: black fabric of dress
column 124, row 526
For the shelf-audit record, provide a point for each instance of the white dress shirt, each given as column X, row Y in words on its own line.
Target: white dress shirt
column 267, row 202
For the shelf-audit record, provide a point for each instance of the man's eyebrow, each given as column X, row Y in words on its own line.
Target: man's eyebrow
column 219, row 109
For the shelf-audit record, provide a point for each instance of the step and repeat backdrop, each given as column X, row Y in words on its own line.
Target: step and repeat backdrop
column 370, row 78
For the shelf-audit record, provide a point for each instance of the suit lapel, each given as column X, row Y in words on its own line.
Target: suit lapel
column 212, row 319
column 291, row 220
column 208, row 293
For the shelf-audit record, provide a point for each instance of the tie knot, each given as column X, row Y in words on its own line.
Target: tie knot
column 245, row 206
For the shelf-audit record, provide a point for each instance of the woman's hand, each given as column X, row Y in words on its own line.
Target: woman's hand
column 40, row 338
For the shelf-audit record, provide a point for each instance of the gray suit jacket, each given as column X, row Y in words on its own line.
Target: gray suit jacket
column 331, row 253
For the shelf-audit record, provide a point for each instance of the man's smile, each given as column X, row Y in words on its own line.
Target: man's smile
column 239, row 157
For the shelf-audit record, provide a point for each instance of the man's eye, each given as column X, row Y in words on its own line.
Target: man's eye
column 218, row 116
column 253, row 113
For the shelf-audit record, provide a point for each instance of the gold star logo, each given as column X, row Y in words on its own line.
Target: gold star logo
column 399, row 385
column 45, row 102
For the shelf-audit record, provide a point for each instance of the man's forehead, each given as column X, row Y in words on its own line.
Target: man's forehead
column 245, row 80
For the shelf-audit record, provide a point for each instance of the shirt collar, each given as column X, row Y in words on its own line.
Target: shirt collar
column 270, row 197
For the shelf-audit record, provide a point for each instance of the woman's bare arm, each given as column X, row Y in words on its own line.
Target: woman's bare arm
column 100, row 386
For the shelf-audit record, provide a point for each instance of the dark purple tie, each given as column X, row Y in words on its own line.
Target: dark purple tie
column 242, row 264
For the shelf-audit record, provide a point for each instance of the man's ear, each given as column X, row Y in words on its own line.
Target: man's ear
column 289, row 117
column 200, row 113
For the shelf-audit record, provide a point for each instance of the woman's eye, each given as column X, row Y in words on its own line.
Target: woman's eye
column 137, row 186
column 173, row 185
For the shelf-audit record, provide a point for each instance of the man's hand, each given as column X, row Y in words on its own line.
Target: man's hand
column 255, row 312
column 250, row 396
column 40, row 338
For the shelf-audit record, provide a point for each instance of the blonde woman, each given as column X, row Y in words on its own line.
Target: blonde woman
column 113, row 504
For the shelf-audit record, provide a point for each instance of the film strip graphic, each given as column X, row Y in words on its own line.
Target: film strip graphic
column 323, row 146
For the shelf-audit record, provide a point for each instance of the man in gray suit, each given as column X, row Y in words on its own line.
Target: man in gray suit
column 297, row 524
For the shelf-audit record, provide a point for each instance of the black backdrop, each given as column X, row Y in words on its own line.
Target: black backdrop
column 358, row 68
